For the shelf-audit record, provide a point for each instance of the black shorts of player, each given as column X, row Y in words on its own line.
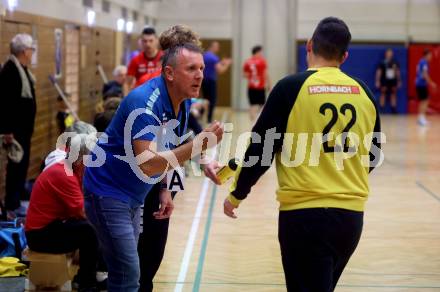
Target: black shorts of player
column 316, row 244
column 422, row 92
column 256, row 96
column 389, row 84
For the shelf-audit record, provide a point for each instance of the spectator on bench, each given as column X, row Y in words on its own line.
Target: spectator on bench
column 56, row 221
column 117, row 86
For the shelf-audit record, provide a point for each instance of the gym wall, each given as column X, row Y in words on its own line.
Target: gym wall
column 272, row 23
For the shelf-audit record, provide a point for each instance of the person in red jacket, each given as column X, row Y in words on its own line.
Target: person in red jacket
column 146, row 62
column 56, row 221
column 255, row 71
column 149, row 76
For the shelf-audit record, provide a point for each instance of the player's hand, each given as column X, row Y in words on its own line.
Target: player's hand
column 210, row 171
column 377, row 84
column 8, row 138
column 228, row 209
column 210, row 136
column 166, row 205
column 227, row 61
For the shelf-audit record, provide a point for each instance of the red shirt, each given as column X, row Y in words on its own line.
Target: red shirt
column 55, row 196
column 255, row 69
column 147, row 77
column 141, row 65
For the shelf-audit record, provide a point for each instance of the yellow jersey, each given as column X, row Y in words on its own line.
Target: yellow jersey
column 322, row 127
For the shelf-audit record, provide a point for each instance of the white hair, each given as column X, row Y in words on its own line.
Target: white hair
column 120, row 69
column 80, row 127
column 20, row 43
column 79, row 136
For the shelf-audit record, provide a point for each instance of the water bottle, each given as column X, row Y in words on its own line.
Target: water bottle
column 227, row 171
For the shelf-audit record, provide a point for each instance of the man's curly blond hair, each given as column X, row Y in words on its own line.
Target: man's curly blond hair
column 178, row 35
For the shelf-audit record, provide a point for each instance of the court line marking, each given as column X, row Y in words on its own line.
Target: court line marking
column 382, row 274
column 194, row 228
column 392, row 275
column 283, row 284
column 198, row 278
column 434, row 195
column 387, row 286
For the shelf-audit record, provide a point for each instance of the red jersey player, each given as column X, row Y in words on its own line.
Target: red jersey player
column 148, row 61
column 255, row 71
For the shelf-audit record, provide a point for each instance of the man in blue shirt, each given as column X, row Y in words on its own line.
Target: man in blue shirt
column 423, row 81
column 213, row 66
column 143, row 141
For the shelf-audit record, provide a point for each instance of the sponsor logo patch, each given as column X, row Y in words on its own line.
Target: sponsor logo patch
column 341, row 89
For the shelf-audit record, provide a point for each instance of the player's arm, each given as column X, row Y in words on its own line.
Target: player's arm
column 131, row 73
column 270, row 126
column 153, row 162
column 274, row 116
column 375, row 152
column 267, row 78
column 376, row 145
column 69, row 193
column 129, row 84
column 378, row 76
column 126, row 88
column 398, row 76
column 166, row 202
column 427, row 77
column 246, row 71
column 223, row 65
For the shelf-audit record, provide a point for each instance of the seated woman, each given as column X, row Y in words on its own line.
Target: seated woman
column 55, row 221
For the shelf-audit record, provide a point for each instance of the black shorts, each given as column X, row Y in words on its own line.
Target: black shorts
column 388, row 83
column 422, row 92
column 256, row 96
column 316, row 244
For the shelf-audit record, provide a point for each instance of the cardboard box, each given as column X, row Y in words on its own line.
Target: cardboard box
column 50, row 270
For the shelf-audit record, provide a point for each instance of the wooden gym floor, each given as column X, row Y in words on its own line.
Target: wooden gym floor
column 400, row 245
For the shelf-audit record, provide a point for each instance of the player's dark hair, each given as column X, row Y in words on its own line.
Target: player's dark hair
column 148, row 30
column 256, row 49
column 331, row 38
column 426, row 52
